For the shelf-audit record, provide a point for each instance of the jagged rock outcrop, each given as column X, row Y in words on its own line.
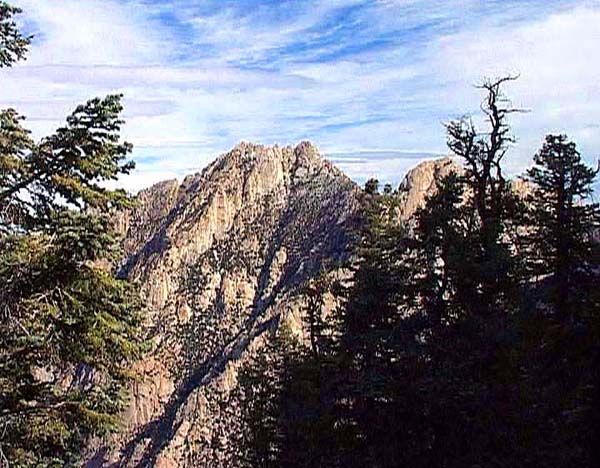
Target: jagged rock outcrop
column 222, row 258
column 421, row 181
column 154, row 204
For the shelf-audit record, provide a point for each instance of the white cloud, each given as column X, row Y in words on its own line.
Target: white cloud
column 182, row 113
column 91, row 32
column 558, row 84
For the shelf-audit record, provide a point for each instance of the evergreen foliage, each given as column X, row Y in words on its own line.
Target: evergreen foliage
column 564, row 253
column 482, row 153
column 68, row 327
column 563, row 222
column 372, row 186
column 467, row 337
column 13, row 45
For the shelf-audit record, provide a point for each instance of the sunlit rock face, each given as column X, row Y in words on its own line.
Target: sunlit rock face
column 222, row 258
column 421, row 181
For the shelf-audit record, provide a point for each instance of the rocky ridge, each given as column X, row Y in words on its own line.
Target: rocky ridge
column 222, row 258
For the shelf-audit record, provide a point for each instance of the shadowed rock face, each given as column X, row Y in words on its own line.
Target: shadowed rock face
column 221, row 258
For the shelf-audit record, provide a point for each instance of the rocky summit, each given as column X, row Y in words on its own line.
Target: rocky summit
column 222, row 259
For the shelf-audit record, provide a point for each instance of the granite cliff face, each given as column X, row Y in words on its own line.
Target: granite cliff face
column 222, row 259
column 422, row 181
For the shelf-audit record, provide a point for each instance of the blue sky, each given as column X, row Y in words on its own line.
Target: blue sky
column 368, row 81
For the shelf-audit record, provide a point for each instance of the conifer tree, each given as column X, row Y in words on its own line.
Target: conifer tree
column 13, row 45
column 441, row 253
column 68, row 327
column 377, row 342
column 372, row 186
column 262, row 383
column 462, row 359
column 563, row 221
column 566, row 271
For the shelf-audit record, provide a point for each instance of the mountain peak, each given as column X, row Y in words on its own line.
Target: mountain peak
column 223, row 258
column 422, row 180
column 305, row 151
column 306, row 148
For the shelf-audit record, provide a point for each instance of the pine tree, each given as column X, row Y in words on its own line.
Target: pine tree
column 13, row 45
column 372, row 186
column 374, row 390
column 262, row 384
column 441, row 253
column 563, row 368
column 564, row 222
column 68, row 328
column 463, row 361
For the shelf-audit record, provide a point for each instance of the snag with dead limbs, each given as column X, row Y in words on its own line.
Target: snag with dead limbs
column 482, row 152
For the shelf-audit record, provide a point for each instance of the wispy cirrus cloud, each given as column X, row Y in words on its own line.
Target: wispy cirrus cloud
column 348, row 74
